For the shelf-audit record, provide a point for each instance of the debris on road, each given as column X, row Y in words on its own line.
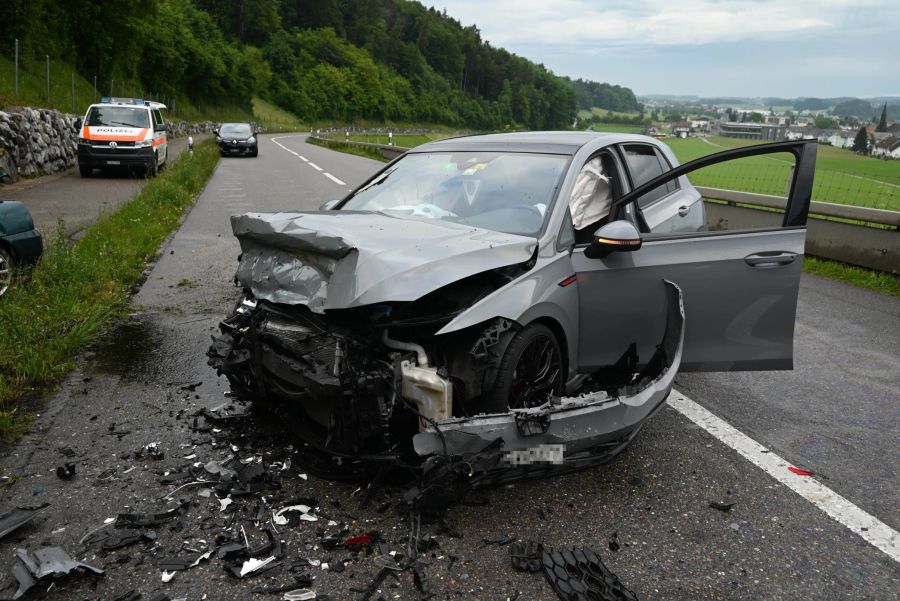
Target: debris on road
column 580, row 575
column 18, row 517
column 722, row 505
column 29, row 568
column 800, row 472
column 66, row 472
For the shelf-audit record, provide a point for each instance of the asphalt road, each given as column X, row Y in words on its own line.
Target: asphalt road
column 77, row 201
column 835, row 414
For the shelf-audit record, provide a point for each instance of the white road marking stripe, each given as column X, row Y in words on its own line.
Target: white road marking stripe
column 334, row 179
column 870, row 528
column 307, row 161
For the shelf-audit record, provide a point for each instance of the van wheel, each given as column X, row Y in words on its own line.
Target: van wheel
column 85, row 170
column 530, row 372
column 152, row 168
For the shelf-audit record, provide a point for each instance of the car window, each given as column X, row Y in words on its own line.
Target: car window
column 118, row 116
column 157, row 118
column 505, row 192
column 643, row 165
column 235, row 129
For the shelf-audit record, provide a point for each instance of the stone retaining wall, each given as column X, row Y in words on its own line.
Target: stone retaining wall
column 43, row 141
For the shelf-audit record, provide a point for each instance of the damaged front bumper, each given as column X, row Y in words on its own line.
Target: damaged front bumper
column 359, row 393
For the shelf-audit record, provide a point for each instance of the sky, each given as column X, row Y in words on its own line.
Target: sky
column 748, row 48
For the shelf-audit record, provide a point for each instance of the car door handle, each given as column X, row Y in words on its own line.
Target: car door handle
column 683, row 210
column 765, row 260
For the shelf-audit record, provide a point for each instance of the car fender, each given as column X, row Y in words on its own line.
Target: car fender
column 534, row 295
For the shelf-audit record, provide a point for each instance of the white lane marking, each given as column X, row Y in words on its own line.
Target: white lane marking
column 334, row 179
column 870, row 528
column 306, row 160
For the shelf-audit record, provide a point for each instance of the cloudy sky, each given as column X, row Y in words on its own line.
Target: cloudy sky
column 782, row 48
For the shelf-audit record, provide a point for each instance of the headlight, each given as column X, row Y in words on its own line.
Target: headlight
column 84, row 141
column 251, row 139
column 143, row 144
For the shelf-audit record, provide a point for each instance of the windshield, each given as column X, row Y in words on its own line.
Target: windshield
column 235, row 129
column 504, row 192
column 118, row 116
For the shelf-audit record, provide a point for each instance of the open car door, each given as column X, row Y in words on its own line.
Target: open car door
column 739, row 279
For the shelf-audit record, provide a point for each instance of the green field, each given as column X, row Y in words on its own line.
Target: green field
column 841, row 176
column 402, row 140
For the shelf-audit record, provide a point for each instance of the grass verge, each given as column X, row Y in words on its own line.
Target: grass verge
column 363, row 151
column 885, row 283
column 77, row 287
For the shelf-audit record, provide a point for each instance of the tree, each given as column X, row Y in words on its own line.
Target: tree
column 882, row 123
column 823, row 122
column 755, row 117
column 861, row 141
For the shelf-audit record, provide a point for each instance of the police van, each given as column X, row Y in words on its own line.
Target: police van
column 122, row 132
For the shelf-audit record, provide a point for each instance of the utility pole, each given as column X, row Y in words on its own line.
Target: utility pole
column 48, row 77
column 112, row 88
column 95, row 88
column 73, row 92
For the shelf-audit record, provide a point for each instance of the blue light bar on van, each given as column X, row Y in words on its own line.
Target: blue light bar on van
column 113, row 100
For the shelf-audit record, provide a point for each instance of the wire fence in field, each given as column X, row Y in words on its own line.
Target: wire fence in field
column 772, row 175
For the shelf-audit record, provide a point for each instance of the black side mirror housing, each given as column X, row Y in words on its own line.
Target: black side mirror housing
column 77, row 124
column 616, row 236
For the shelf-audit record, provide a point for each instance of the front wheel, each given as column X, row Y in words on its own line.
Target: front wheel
column 85, row 170
column 152, row 167
column 530, row 372
column 6, row 271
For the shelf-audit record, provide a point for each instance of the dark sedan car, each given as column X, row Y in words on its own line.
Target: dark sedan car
column 237, row 139
column 20, row 242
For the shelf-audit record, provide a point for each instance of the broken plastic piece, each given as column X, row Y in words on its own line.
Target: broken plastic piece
column 167, row 576
column 66, row 471
column 722, row 505
column 304, row 510
column 46, row 561
column 579, row 575
column 16, row 518
column 526, row 556
column 142, row 520
column 300, row 595
column 131, row 595
column 117, row 541
column 252, row 566
column 183, row 563
column 153, row 450
column 800, row 472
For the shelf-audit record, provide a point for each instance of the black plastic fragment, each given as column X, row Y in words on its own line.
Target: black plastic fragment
column 526, row 556
column 614, row 542
column 580, row 575
column 171, row 564
column 143, row 520
column 532, row 424
column 118, row 541
column 18, row 517
column 131, row 595
column 66, row 471
column 722, row 505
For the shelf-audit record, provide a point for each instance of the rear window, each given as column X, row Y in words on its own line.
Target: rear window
column 644, row 164
column 235, row 129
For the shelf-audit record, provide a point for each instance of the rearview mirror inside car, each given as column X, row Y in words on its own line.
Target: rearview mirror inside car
column 329, row 204
column 616, row 236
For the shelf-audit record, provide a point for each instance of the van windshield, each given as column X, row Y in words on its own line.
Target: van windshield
column 118, row 116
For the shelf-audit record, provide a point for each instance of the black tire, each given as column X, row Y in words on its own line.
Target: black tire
column 255, row 153
column 6, row 271
column 152, row 168
column 535, row 349
column 85, row 170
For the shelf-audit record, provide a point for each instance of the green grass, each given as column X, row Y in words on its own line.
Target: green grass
column 363, row 151
column 884, row 283
column 76, row 288
column 402, row 140
column 617, row 128
column 841, row 176
column 276, row 119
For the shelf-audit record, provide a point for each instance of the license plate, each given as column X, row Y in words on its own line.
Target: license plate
column 113, row 162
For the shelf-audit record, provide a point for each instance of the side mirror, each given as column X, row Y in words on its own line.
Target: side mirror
column 216, row 132
column 616, row 236
column 77, row 124
column 329, row 204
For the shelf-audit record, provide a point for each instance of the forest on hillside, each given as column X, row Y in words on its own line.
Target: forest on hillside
column 321, row 59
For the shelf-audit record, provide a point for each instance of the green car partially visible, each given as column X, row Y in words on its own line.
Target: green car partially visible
column 20, row 243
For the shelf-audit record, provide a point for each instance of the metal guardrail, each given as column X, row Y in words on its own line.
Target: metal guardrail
column 826, row 209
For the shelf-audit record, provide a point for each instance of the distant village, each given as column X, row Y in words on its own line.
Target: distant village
column 879, row 140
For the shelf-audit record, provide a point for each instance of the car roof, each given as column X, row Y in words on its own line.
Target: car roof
column 550, row 142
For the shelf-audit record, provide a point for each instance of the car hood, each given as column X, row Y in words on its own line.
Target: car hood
column 343, row 259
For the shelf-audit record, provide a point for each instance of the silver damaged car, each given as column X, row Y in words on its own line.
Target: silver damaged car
column 528, row 294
